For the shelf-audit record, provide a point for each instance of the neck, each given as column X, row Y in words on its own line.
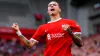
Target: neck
column 55, row 17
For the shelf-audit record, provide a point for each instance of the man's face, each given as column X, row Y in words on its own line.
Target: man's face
column 53, row 8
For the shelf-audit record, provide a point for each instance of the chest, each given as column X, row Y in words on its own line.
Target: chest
column 55, row 27
column 55, row 31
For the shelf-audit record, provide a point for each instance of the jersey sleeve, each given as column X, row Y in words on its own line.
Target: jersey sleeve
column 75, row 27
column 38, row 34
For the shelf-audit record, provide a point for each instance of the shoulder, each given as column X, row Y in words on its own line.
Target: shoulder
column 42, row 26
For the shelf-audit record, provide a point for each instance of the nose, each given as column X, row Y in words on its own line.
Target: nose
column 52, row 5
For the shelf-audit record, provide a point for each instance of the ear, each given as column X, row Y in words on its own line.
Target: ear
column 59, row 10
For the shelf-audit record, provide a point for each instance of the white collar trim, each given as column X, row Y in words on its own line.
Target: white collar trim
column 55, row 20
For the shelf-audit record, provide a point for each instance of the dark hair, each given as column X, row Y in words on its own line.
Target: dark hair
column 56, row 2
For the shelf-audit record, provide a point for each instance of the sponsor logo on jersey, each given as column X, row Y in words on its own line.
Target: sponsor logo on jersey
column 55, row 35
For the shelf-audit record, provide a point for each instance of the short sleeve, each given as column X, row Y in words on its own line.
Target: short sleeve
column 75, row 27
column 38, row 34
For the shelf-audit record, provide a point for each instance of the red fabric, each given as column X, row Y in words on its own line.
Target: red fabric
column 58, row 41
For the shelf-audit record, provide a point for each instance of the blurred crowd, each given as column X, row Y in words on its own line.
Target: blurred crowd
column 91, row 47
column 13, row 47
column 16, row 48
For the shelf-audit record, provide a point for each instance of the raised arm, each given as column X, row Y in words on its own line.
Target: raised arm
column 28, row 43
column 76, row 37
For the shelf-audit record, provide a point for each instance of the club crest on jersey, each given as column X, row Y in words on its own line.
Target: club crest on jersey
column 55, row 35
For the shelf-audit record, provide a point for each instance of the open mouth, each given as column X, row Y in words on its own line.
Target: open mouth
column 52, row 9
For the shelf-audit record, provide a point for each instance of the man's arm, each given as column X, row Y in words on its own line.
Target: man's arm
column 76, row 37
column 77, row 40
column 28, row 43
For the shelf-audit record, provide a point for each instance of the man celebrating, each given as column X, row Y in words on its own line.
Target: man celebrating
column 58, row 33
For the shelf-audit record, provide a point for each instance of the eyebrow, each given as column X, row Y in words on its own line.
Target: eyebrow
column 53, row 3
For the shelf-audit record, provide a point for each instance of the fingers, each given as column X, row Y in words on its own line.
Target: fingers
column 14, row 25
column 65, row 27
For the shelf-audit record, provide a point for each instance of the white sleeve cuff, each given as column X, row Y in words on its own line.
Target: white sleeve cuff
column 34, row 40
column 77, row 33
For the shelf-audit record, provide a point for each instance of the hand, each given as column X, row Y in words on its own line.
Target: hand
column 65, row 27
column 15, row 27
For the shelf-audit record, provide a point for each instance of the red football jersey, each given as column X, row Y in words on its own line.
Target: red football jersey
column 58, row 42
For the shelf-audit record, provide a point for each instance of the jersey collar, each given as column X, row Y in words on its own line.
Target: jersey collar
column 55, row 20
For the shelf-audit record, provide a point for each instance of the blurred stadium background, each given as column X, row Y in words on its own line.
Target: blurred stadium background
column 29, row 14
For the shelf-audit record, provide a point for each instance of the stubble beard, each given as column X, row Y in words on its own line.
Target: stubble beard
column 52, row 14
